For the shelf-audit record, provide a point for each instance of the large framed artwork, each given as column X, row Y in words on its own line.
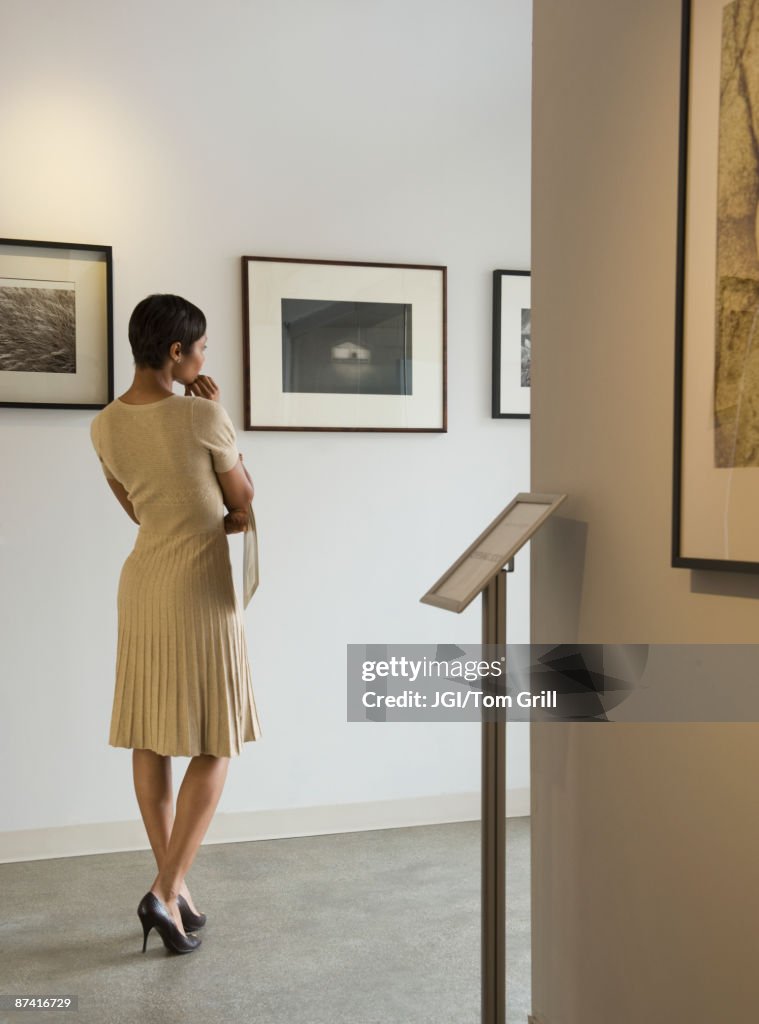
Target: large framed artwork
column 56, row 325
column 512, row 336
column 335, row 345
column 716, row 458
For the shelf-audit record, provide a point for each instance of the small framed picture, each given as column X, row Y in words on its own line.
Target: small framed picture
column 511, row 344
column 56, row 325
column 334, row 345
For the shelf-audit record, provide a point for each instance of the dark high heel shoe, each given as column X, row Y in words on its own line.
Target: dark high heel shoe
column 154, row 914
column 190, row 920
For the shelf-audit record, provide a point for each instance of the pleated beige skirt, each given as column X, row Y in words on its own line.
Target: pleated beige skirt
column 183, row 683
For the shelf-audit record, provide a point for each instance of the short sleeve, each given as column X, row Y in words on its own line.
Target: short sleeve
column 214, row 430
column 95, row 438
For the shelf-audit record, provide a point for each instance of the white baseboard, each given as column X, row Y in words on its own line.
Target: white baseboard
column 248, row 826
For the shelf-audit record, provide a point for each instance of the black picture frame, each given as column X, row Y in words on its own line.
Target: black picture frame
column 277, row 398
column 510, row 399
column 79, row 373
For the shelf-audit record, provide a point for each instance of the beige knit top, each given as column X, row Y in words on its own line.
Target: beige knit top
column 187, row 438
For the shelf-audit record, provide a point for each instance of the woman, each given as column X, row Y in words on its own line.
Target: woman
column 183, row 684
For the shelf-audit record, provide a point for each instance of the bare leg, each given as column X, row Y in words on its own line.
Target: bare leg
column 153, row 788
column 196, row 802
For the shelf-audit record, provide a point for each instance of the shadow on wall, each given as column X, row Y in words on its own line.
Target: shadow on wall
column 725, row 584
column 558, row 554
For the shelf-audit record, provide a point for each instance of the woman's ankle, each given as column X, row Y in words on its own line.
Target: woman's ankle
column 166, row 892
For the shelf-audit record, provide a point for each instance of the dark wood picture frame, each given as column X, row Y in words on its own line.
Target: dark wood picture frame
column 96, row 341
column 440, row 342
column 498, row 397
column 692, row 480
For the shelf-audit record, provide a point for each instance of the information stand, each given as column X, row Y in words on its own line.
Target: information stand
column 482, row 569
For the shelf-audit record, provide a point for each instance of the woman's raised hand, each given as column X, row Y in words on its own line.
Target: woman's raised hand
column 203, row 387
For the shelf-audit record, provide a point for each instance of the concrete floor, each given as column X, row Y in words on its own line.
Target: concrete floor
column 375, row 927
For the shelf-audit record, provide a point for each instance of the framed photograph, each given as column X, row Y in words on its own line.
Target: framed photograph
column 512, row 322
column 716, row 456
column 56, row 325
column 334, row 345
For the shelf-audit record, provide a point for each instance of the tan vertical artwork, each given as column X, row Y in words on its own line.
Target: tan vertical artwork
column 737, row 316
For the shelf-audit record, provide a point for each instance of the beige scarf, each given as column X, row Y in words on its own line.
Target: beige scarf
column 250, row 559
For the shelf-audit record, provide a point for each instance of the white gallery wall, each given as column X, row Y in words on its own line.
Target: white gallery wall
column 186, row 135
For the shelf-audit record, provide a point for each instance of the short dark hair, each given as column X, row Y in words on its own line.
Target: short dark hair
column 157, row 322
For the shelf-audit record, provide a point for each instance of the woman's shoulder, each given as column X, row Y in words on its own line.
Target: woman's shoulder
column 207, row 411
column 100, row 416
column 200, row 402
column 96, row 425
column 211, row 424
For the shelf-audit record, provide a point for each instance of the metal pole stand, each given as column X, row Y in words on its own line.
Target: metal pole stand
column 481, row 570
column 494, row 822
